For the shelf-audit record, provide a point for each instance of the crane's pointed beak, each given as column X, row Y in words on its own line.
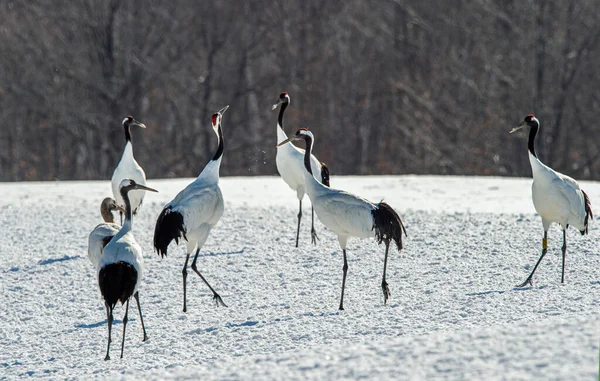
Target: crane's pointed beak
column 139, row 124
column 221, row 111
column 143, row 187
column 523, row 124
column 120, row 208
column 286, row 141
column 275, row 105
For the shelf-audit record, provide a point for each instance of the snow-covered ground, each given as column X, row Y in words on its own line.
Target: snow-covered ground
column 454, row 312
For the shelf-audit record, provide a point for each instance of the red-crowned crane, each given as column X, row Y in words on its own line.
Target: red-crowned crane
column 121, row 266
column 128, row 168
column 101, row 236
column 556, row 197
column 194, row 212
column 290, row 164
column 349, row 215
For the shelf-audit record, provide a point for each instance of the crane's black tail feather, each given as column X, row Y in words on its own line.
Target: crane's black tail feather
column 588, row 212
column 117, row 282
column 324, row 174
column 169, row 226
column 388, row 225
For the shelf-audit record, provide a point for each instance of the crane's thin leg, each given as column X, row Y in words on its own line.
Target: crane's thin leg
column 384, row 285
column 137, row 299
column 216, row 296
column 184, row 273
column 313, row 232
column 528, row 281
column 345, row 268
column 564, row 253
column 299, row 218
column 124, row 326
column 109, row 319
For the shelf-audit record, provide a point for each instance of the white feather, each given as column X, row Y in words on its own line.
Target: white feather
column 128, row 168
column 344, row 213
column 201, row 205
column 556, row 197
column 96, row 240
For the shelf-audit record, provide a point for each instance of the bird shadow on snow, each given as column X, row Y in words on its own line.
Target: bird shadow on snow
column 516, row 288
column 98, row 324
column 211, row 254
column 485, row 293
column 53, row 260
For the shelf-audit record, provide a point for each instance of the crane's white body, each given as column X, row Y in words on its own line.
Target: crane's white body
column 350, row 216
column 290, row 164
column 556, row 197
column 128, row 168
column 124, row 248
column 96, row 240
column 347, row 215
column 201, row 205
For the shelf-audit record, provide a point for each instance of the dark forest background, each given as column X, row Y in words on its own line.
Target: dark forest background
column 387, row 86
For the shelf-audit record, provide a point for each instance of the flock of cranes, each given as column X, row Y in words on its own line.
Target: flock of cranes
column 192, row 214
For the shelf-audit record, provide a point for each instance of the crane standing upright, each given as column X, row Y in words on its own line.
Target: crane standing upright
column 556, row 197
column 290, row 165
column 194, row 212
column 121, row 266
column 128, row 168
column 349, row 215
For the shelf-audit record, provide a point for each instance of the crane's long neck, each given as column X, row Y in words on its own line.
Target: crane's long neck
column 532, row 133
column 211, row 171
column 281, row 136
column 128, row 152
column 219, row 152
column 126, row 127
column 313, row 186
column 307, row 153
column 128, row 223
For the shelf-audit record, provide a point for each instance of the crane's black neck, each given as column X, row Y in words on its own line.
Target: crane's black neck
column 128, row 211
column 127, row 132
column 307, row 153
column 219, row 152
column 533, row 130
column 283, row 107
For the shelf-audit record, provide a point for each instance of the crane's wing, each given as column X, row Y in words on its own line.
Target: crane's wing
column 573, row 194
column 346, row 213
column 98, row 239
column 124, row 249
column 199, row 206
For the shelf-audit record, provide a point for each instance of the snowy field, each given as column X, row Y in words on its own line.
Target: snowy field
column 454, row 312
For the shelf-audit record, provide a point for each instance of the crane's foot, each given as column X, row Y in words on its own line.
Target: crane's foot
column 107, row 358
column 386, row 291
column 528, row 281
column 314, row 237
column 218, row 300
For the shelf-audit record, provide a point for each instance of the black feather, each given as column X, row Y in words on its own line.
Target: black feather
column 324, row 174
column 106, row 240
column 588, row 212
column 169, row 226
column 388, row 225
column 117, row 282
